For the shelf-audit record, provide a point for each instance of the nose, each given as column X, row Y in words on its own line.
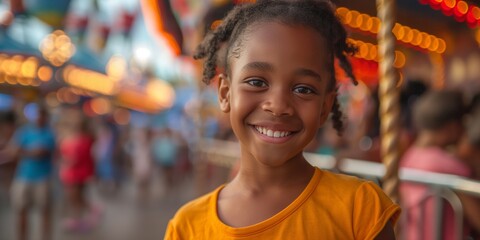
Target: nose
column 278, row 104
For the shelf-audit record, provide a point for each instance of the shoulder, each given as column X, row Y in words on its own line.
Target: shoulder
column 348, row 184
column 364, row 201
column 340, row 189
column 196, row 211
column 434, row 160
column 353, row 191
column 340, row 182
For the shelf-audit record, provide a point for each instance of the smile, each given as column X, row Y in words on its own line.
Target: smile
column 271, row 133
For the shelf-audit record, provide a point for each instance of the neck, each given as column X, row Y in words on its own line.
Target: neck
column 256, row 178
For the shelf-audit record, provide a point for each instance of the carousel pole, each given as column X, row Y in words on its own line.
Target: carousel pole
column 389, row 98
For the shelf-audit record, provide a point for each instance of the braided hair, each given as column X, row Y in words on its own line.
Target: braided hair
column 226, row 39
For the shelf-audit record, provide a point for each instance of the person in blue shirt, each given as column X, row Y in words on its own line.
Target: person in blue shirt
column 34, row 144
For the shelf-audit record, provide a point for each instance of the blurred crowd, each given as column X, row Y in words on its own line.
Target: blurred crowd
column 41, row 148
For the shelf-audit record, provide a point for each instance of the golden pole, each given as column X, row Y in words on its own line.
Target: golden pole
column 388, row 94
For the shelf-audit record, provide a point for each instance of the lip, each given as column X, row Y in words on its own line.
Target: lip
column 274, row 140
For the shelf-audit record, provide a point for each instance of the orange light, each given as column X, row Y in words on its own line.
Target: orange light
column 417, row 38
column 408, row 35
column 369, row 24
column 100, row 106
column 462, row 7
column 355, row 16
column 15, row 64
column 399, row 60
column 363, row 50
column 395, row 29
column 29, row 67
column 476, row 13
column 359, row 21
column 434, row 46
column 405, row 34
column 348, row 17
column 400, row 33
column 365, row 25
column 161, row 92
column 442, row 46
column 373, row 54
column 376, row 25
column 427, row 41
column 23, row 81
column 341, row 12
column 10, row 80
column 116, row 68
column 450, row 3
column 121, row 116
column 45, row 73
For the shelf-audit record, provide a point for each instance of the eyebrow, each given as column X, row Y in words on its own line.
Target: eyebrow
column 264, row 66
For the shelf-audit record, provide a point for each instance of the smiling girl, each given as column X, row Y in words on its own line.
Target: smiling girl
column 277, row 83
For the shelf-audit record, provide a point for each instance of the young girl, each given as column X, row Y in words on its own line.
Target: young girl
column 277, row 83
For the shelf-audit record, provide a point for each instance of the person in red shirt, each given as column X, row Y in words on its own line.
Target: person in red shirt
column 76, row 170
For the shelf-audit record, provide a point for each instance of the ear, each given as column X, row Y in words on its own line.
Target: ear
column 224, row 93
column 327, row 106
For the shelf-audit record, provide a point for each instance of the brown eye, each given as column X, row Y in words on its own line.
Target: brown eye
column 304, row 90
column 257, row 83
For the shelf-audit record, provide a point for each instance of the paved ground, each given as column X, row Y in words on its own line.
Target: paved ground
column 125, row 218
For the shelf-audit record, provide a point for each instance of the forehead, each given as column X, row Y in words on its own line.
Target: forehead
column 291, row 45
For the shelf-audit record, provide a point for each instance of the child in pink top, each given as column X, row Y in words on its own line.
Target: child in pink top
column 76, row 170
column 438, row 117
column 78, row 165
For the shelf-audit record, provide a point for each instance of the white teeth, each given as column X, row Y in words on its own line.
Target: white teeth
column 271, row 133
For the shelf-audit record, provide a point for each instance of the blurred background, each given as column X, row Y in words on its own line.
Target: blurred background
column 159, row 139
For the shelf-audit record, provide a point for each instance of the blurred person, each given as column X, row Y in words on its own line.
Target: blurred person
column 165, row 146
column 7, row 126
column 76, row 171
column 410, row 93
column 105, row 152
column 7, row 161
column 141, row 161
column 469, row 146
column 438, row 118
column 34, row 144
column 469, row 151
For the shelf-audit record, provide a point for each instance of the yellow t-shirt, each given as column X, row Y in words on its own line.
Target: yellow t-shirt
column 332, row 206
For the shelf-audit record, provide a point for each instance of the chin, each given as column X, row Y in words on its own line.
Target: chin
column 277, row 159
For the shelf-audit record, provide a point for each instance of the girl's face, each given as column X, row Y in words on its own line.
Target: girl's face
column 277, row 93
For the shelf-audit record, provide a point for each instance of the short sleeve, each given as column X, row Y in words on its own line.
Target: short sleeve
column 171, row 233
column 372, row 210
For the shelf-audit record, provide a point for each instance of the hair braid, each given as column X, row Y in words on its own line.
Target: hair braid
column 212, row 42
column 337, row 115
